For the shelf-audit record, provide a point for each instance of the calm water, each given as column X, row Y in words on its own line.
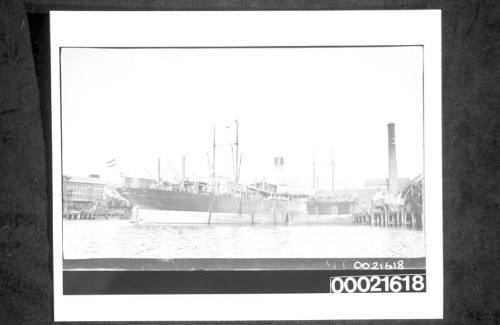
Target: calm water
column 122, row 239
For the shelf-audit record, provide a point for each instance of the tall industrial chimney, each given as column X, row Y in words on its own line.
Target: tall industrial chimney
column 393, row 166
column 279, row 170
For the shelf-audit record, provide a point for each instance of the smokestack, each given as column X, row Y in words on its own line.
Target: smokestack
column 279, row 170
column 393, row 167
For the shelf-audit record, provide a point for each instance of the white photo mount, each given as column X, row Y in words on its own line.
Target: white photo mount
column 420, row 28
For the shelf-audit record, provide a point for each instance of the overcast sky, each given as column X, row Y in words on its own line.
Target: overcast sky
column 135, row 105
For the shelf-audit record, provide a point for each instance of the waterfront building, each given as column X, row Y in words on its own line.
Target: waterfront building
column 83, row 192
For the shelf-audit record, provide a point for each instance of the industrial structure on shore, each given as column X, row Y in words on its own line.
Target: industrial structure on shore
column 400, row 204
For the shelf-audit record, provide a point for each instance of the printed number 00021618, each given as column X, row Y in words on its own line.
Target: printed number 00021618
column 378, row 283
column 396, row 265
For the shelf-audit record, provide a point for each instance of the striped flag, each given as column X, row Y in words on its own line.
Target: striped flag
column 111, row 163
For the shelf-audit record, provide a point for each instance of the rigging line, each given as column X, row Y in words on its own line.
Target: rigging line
column 147, row 171
column 239, row 167
column 209, row 164
column 173, row 170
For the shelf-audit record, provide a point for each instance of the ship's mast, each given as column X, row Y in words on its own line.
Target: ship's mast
column 237, row 160
column 183, row 172
column 236, row 157
column 159, row 175
column 213, row 156
column 314, row 173
column 333, row 171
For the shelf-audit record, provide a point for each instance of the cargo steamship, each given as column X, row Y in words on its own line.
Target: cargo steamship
column 220, row 195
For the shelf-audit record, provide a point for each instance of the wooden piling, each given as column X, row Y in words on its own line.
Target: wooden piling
column 210, row 212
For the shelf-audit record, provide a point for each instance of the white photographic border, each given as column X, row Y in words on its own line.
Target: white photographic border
column 259, row 28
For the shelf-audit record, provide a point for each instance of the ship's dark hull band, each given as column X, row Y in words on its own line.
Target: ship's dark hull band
column 182, row 201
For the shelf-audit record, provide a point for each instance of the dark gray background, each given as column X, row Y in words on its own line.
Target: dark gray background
column 471, row 170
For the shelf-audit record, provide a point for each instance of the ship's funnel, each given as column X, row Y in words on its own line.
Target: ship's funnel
column 279, row 170
column 393, row 166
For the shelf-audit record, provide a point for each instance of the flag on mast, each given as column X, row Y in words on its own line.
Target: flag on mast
column 111, row 163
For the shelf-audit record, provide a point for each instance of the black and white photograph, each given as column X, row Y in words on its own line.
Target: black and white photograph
column 233, row 166
column 242, row 153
